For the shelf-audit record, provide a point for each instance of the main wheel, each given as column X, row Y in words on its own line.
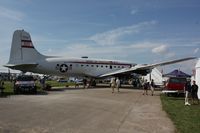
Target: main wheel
column 16, row 90
column 35, row 90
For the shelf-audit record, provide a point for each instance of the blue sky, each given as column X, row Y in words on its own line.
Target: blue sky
column 139, row 31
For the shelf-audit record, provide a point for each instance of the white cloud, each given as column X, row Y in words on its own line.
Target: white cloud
column 134, row 11
column 128, row 52
column 80, row 46
column 196, row 50
column 89, row 50
column 11, row 14
column 124, row 52
column 120, row 52
column 49, row 50
column 143, row 45
column 162, row 49
column 170, row 54
column 113, row 36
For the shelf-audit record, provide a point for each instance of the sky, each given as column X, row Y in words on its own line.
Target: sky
column 139, row 31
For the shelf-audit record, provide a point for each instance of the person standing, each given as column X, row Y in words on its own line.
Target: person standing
column 194, row 90
column 187, row 90
column 1, row 86
column 117, row 84
column 112, row 82
column 76, row 83
column 152, row 87
column 84, row 83
column 145, row 87
column 42, row 82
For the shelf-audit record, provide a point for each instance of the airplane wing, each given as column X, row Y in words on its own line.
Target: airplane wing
column 143, row 69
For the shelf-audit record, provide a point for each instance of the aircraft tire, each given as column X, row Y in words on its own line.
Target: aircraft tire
column 16, row 91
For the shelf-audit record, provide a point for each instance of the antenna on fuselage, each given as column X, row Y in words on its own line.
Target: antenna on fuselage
column 84, row 57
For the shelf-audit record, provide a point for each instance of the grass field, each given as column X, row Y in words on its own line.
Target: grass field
column 185, row 118
column 59, row 84
column 9, row 86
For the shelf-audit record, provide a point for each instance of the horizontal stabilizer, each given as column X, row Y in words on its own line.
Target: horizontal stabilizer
column 21, row 66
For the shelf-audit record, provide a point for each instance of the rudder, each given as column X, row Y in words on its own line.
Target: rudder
column 22, row 49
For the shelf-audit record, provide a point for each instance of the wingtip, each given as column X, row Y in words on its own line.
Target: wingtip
column 191, row 58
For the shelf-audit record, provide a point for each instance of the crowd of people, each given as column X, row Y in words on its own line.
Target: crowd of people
column 189, row 90
column 115, row 83
column 146, row 86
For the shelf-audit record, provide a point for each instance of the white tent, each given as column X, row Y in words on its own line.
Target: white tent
column 197, row 76
column 156, row 75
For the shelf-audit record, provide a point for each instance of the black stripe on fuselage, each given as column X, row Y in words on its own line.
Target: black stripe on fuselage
column 101, row 63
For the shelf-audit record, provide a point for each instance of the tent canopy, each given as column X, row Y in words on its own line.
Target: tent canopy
column 177, row 73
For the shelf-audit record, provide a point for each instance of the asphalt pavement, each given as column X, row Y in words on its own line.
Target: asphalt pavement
column 70, row 110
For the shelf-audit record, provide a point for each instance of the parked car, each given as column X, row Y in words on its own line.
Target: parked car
column 62, row 80
column 25, row 83
column 175, row 85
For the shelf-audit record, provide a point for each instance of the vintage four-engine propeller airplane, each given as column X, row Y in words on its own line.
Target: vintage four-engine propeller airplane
column 24, row 57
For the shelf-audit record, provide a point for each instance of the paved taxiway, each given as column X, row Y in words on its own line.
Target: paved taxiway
column 84, row 111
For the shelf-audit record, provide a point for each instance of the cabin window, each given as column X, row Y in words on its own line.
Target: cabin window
column 92, row 65
column 114, row 66
column 101, row 66
column 82, row 65
column 110, row 67
column 87, row 65
column 97, row 66
column 118, row 66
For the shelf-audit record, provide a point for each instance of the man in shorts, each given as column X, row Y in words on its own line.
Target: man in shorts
column 187, row 90
column 145, row 87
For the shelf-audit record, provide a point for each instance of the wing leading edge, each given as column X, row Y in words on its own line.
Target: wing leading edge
column 144, row 69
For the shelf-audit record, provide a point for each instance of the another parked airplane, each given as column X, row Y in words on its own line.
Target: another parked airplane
column 25, row 57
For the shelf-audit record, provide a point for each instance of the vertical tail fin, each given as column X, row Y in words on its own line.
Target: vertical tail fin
column 22, row 49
